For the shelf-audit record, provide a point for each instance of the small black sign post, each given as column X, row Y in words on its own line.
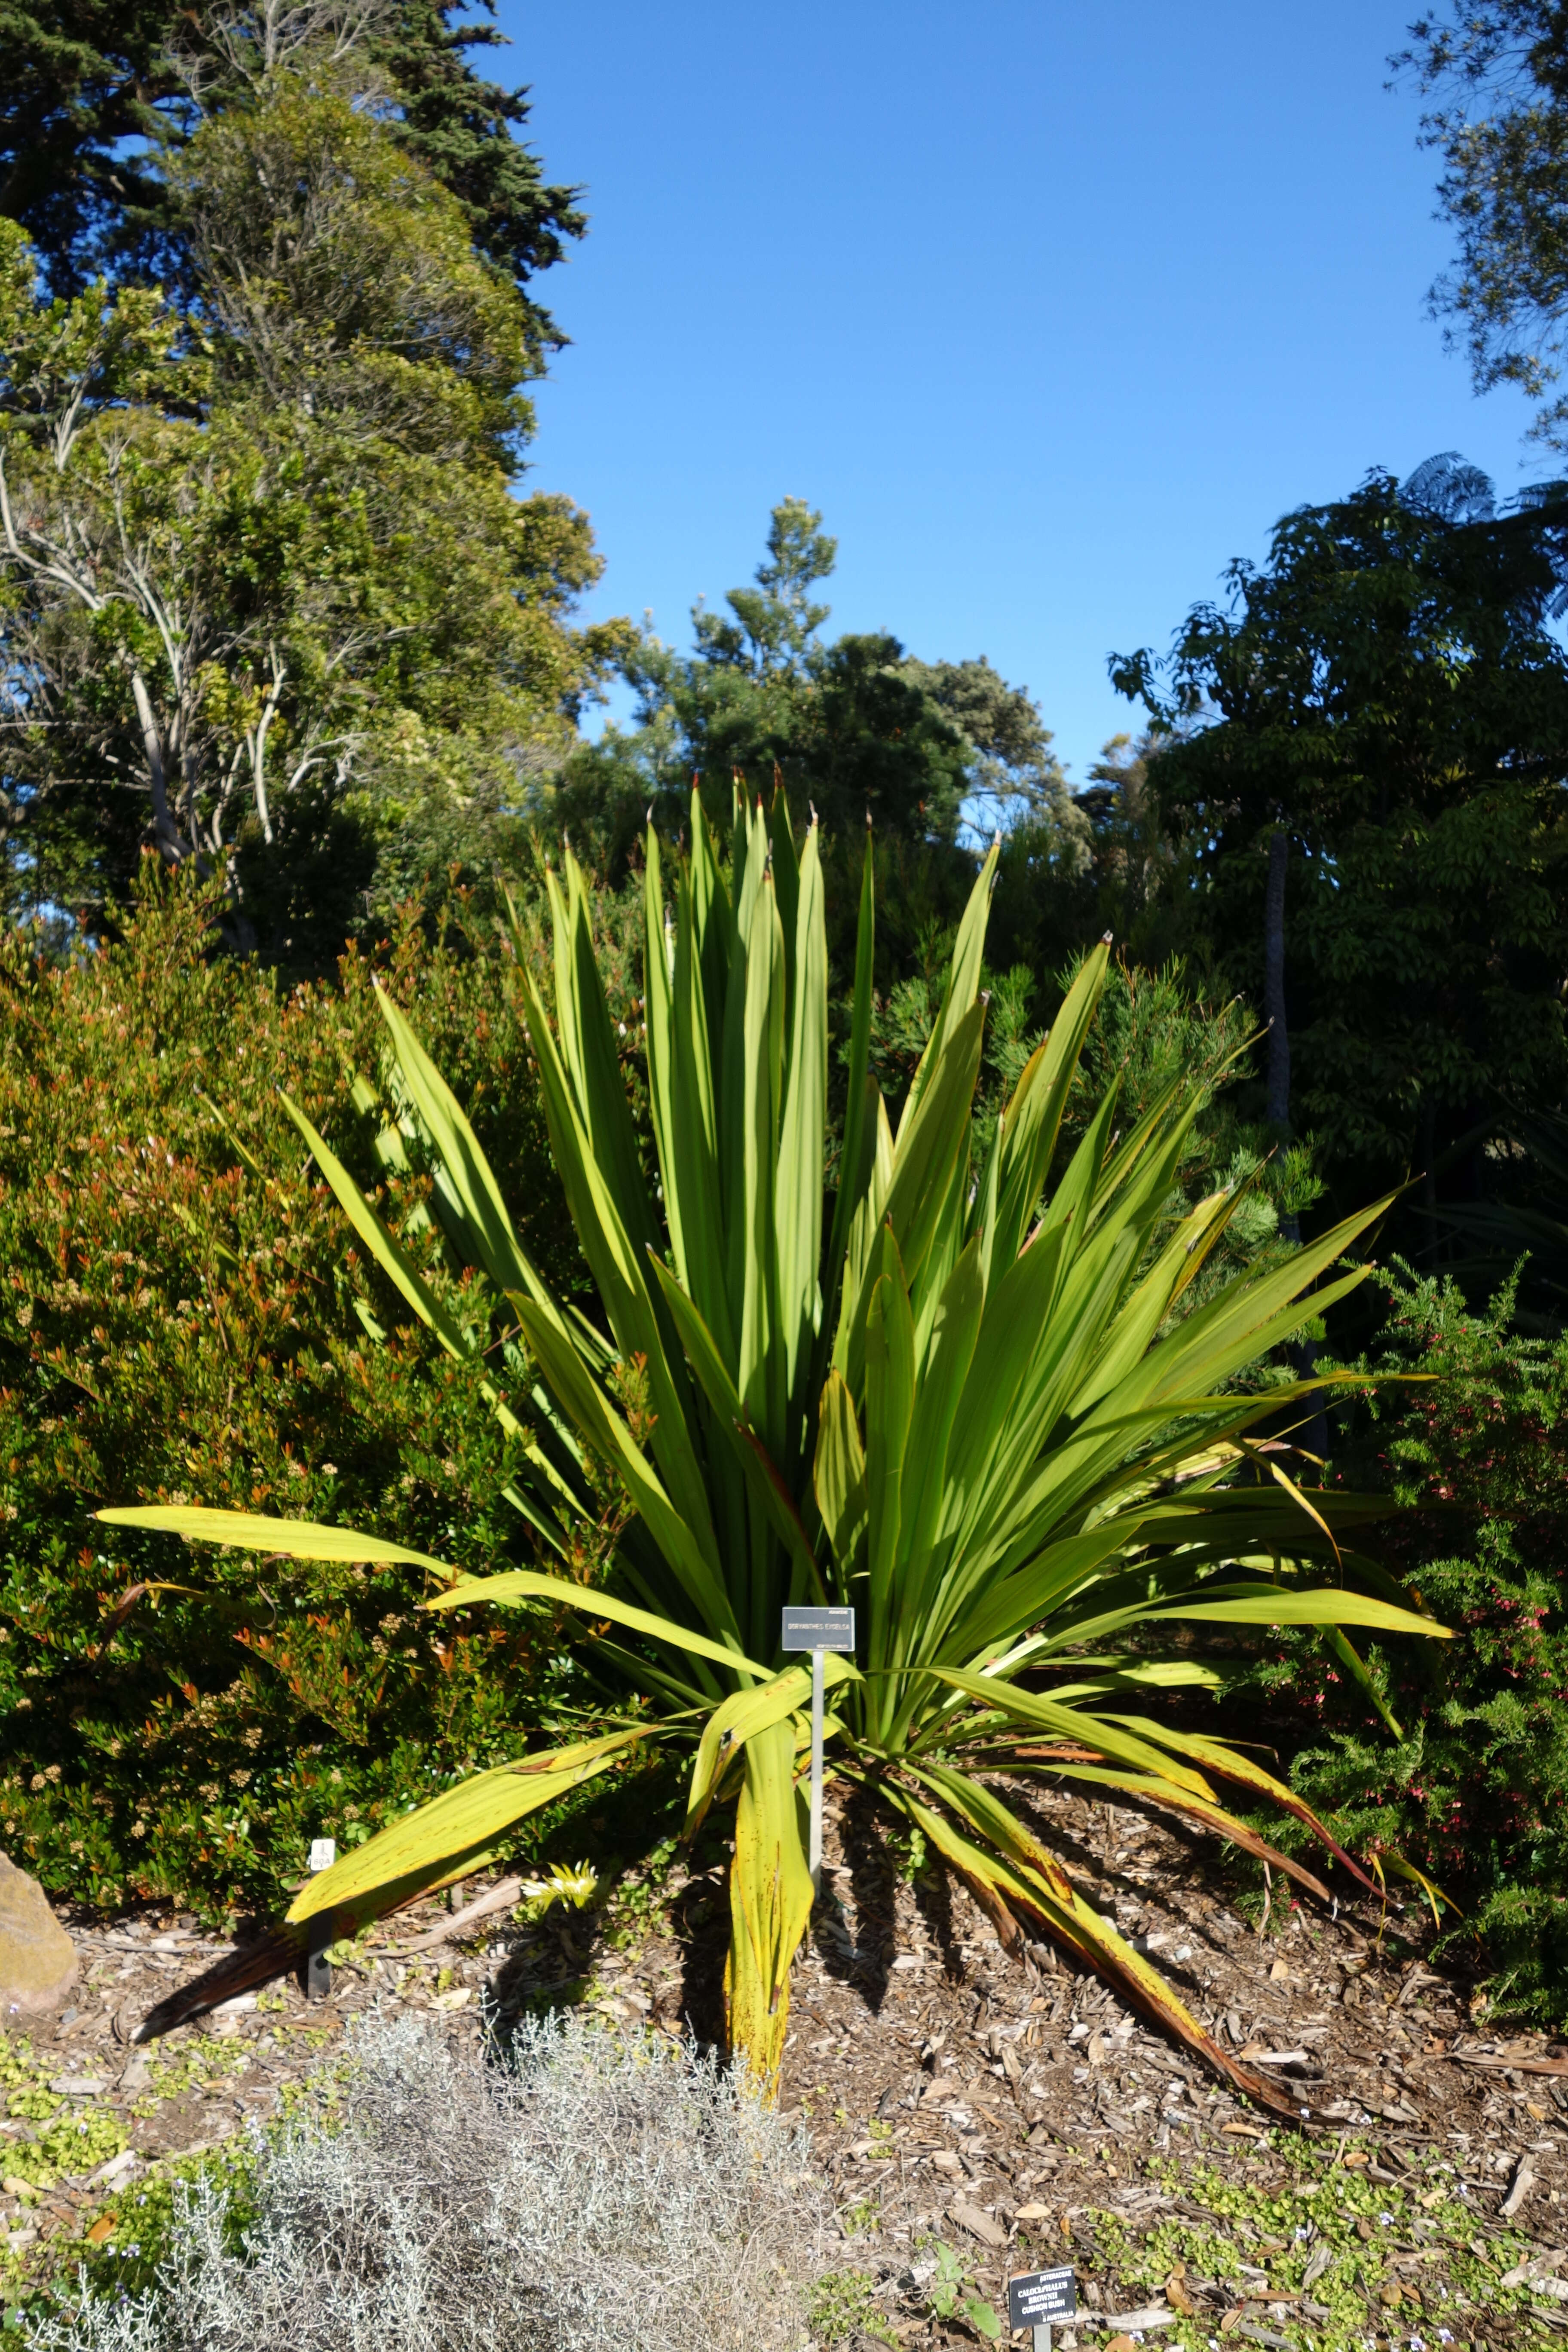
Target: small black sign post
column 818, row 1631
column 1040, row 2298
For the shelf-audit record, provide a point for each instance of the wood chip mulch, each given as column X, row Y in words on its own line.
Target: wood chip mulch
column 952, row 2090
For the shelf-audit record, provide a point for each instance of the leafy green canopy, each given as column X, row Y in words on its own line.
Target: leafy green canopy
column 1387, row 692
column 1501, row 72
column 853, row 726
column 97, row 95
column 958, row 1393
column 268, row 598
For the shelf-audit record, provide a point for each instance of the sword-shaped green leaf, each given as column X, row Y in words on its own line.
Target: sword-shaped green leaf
column 1025, row 1461
column 462, row 1820
column 741, row 1717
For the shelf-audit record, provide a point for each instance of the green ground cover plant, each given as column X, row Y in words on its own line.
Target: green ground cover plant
column 122, row 2234
column 179, row 1317
column 1319, row 2247
column 1376, row 2259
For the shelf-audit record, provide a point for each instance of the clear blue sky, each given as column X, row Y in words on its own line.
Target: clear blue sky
column 1050, row 310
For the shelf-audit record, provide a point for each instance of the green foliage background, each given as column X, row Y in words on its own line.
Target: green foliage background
column 309, row 421
column 184, row 1316
column 1476, row 1791
column 181, row 1315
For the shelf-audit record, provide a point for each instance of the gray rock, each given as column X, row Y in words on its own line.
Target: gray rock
column 37, row 1958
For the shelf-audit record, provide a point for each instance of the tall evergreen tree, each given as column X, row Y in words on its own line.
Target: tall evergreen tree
column 269, row 601
column 96, row 96
column 1369, row 789
column 853, row 725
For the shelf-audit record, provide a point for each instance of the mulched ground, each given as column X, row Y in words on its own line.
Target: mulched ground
column 1002, row 2108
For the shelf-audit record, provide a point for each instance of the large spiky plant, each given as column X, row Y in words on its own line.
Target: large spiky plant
column 956, row 1391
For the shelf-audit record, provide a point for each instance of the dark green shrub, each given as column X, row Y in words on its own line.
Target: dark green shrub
column 183, row 1316
column 1476, row 1792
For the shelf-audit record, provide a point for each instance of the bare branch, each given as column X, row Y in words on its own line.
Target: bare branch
column 248, row 46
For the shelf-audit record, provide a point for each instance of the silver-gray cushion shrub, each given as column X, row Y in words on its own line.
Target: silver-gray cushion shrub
column 599, row 2190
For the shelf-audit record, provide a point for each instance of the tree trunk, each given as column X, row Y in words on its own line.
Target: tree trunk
column 163, row 828
column 1278, row 1104
column 1427, row 1153
column 1304, row 1354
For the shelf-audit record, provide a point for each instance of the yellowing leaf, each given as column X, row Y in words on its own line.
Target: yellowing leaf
column 459, row 1823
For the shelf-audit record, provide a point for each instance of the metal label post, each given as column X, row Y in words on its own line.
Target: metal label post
column 818, row 1680
column 818, row 1631
column 318, row 1968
